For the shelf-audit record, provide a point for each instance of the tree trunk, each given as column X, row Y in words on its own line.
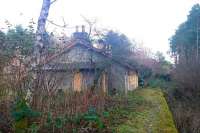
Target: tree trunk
column 41, row 31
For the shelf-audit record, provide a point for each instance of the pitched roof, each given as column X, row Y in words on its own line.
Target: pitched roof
column 86, row 44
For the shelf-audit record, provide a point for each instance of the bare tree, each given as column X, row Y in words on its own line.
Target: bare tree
column 39, row 44
column 90, row 23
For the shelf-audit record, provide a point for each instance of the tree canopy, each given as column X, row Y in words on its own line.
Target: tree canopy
column 15, row 41
column 185, row 46
column 185, row 41
column 120, row 44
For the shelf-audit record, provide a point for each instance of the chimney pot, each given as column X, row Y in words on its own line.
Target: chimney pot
column 83, row 28
column 77, row 28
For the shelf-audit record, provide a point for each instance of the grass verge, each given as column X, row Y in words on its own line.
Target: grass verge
column 146, row 112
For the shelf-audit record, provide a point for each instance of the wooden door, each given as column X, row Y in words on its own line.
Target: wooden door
column 77, row 83
column 133, row 81
column 104, row 82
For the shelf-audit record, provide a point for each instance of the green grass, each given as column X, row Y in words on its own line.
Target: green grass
column 146, row 112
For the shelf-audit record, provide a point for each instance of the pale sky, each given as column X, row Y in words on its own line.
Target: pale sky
column 151, row 22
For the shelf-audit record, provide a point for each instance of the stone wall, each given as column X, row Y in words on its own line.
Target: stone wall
column 116, row 76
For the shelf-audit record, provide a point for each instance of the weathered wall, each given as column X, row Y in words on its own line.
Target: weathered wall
column 116, row 78
column 86, row 76
column 62, row 79
column 77, row 81
column 88, row 79
column 79, row 54
column 122, row 78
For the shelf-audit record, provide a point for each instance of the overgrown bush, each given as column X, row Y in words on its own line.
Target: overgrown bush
column 74, row 113
column 185, row 112
column 157, row 83
column 21, row 113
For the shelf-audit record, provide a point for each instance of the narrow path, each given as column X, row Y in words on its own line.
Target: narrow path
column 149, row 113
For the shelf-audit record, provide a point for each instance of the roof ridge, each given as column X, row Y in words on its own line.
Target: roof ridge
column 75, row 42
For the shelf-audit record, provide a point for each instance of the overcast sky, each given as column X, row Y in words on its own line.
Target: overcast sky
column 151, row 22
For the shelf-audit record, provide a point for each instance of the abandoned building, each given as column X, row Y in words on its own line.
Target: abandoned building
column 84, row 66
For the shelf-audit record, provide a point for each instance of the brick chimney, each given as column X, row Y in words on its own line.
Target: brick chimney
column 83, row 35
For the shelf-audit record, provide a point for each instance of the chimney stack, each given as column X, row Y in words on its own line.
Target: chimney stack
column 81, row 34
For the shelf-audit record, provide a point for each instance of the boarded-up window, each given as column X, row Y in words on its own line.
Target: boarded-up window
column 104, row 83
column 133, row 81
column 77, row 83
column 126, row 83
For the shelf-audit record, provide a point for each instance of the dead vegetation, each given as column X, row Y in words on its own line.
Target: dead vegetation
column 35, row 103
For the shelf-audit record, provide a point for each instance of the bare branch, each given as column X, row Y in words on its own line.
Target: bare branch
column 61, row 26
column 53, row 1
column 90, row 23
column 64, row 22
